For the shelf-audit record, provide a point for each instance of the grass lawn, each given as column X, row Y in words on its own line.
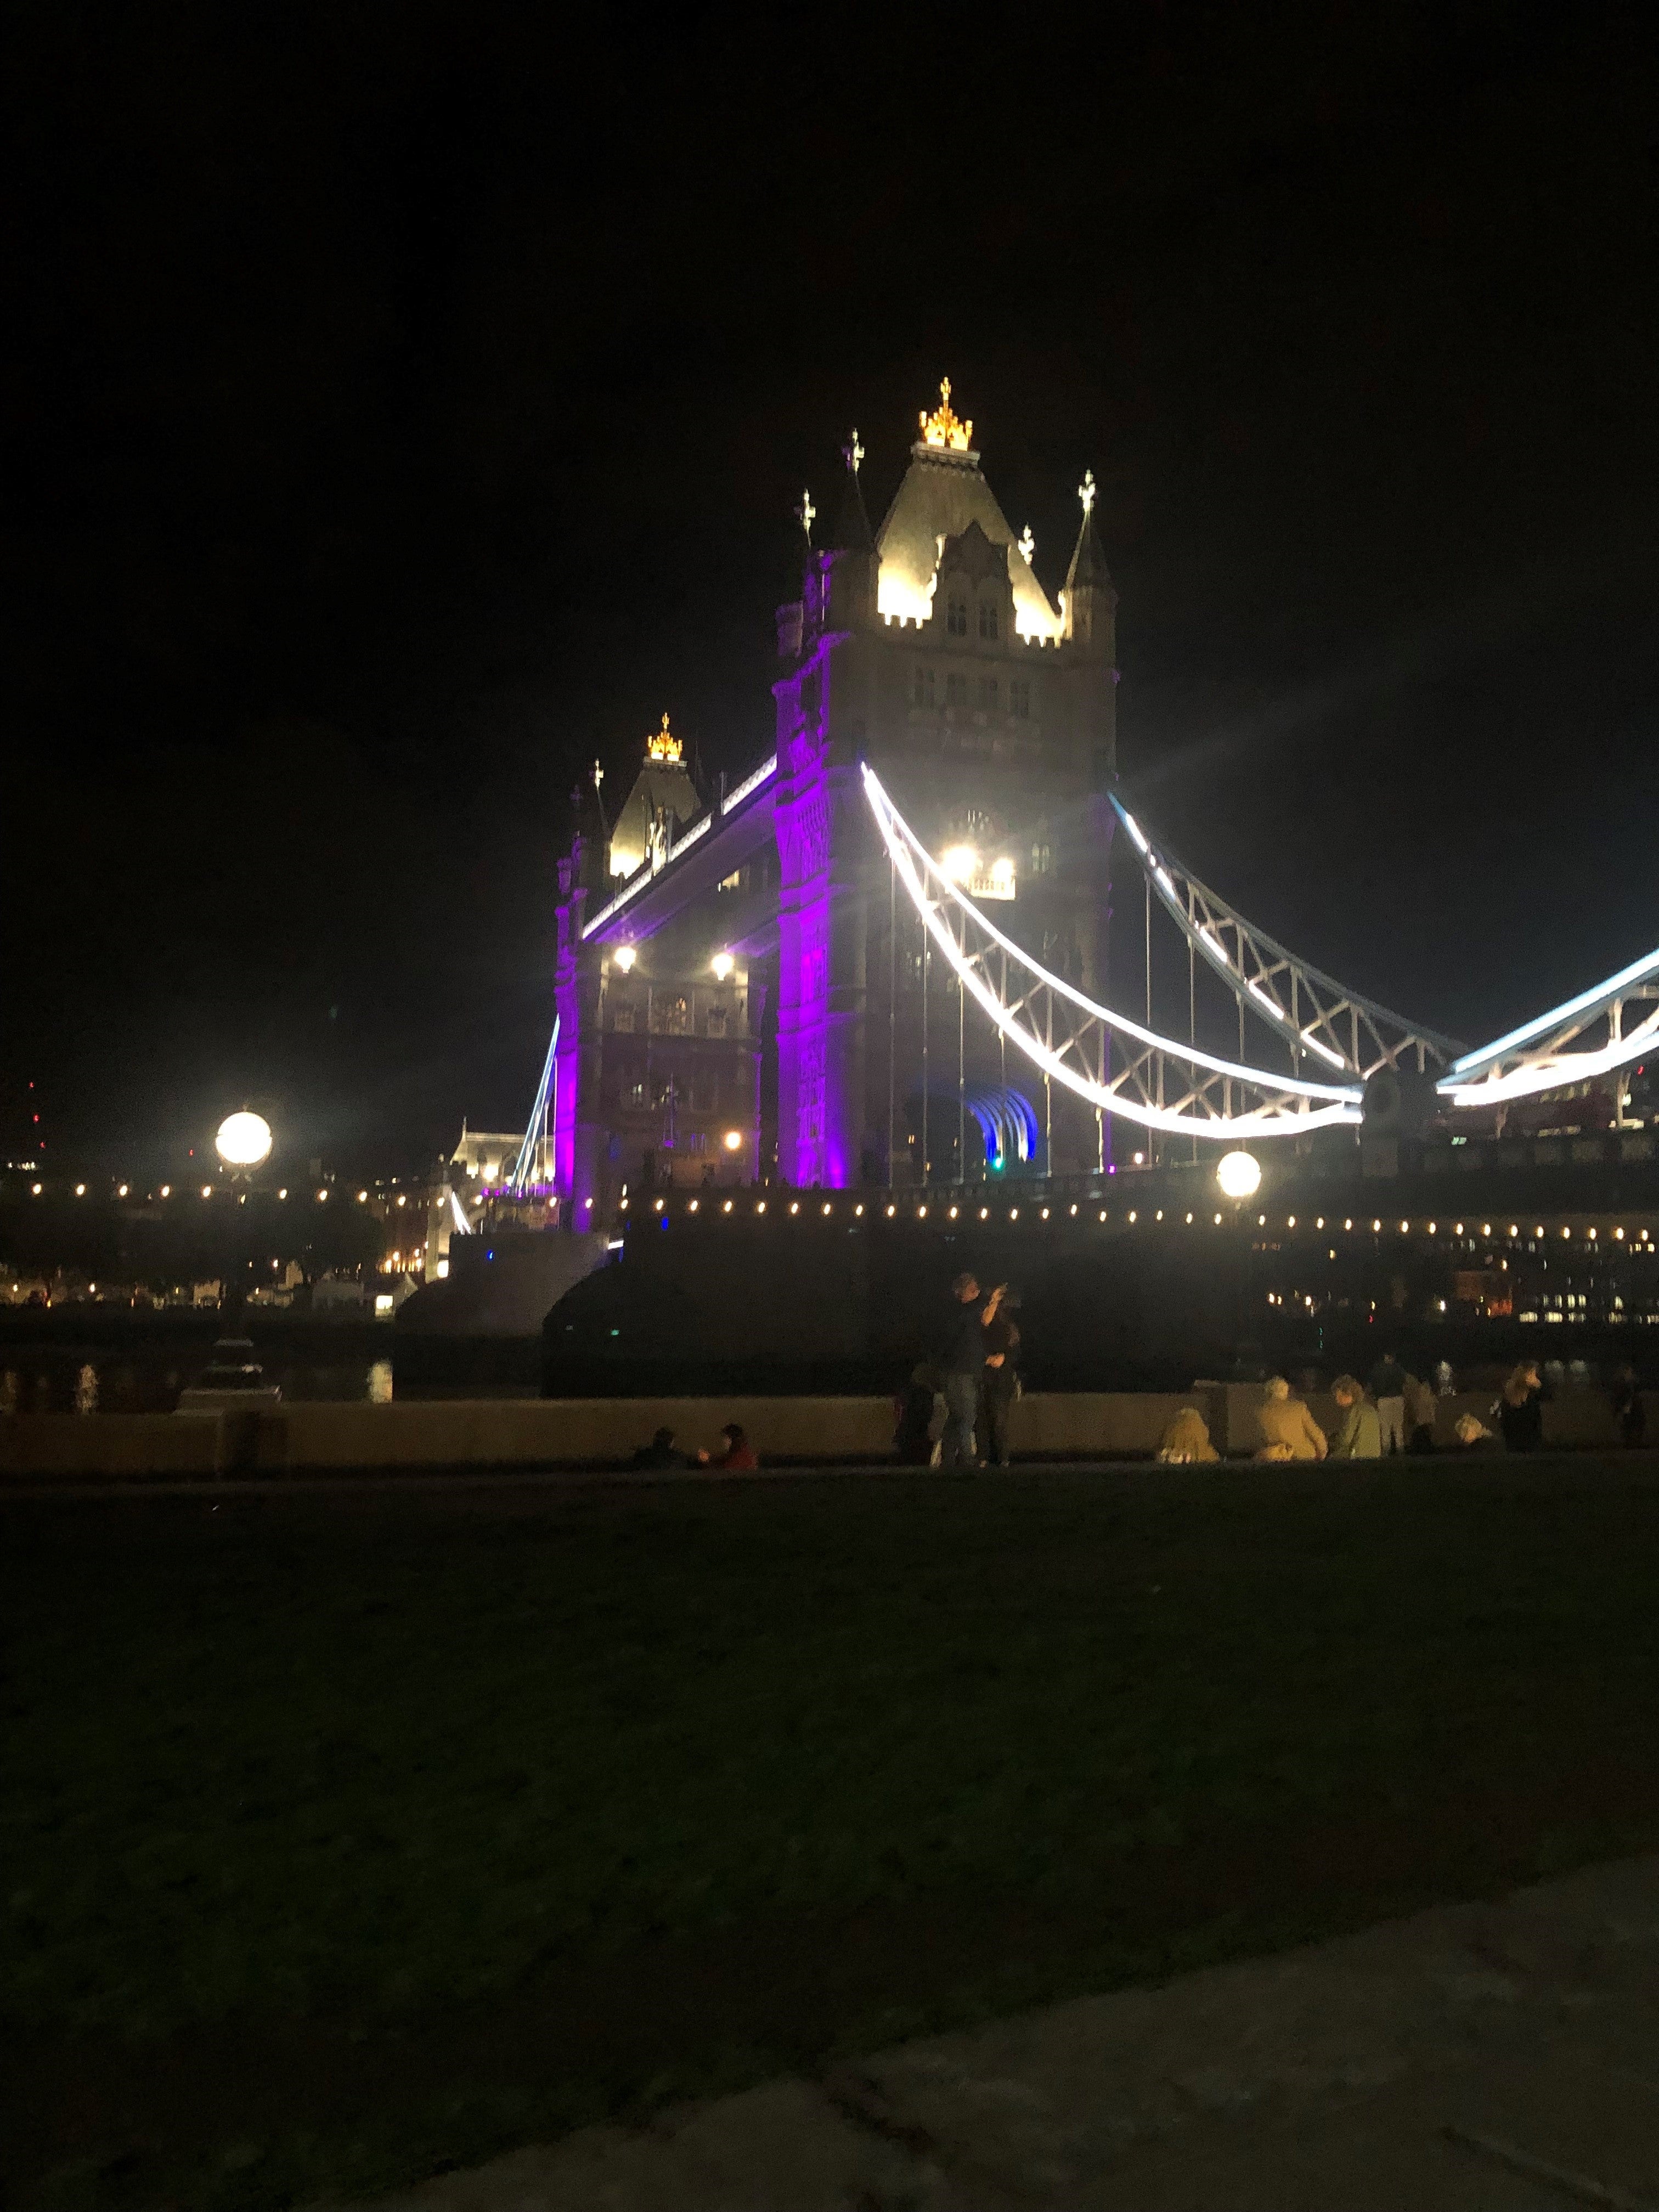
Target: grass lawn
column 348, row 1837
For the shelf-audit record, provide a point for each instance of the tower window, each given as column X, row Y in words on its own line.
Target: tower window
column 1019, row 697
column 987, row 695
column 988, row 619
column 956, row 692
column 956, row 615
column 921, row 687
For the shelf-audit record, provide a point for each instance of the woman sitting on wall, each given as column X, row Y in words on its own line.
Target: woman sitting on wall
column 1186, row 1439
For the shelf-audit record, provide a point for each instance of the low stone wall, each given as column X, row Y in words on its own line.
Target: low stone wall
column 494, row 1432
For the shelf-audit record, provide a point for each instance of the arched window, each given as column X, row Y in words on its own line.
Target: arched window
column 956, row 615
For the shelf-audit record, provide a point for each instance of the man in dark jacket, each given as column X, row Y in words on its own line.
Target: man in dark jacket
column 962, row 1368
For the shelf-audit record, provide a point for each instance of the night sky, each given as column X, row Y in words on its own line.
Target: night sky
column 402, row 408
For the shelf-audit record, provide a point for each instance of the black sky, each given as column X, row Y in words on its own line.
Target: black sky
column 403, row 406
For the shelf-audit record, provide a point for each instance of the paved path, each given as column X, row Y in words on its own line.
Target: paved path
column 1500, row 2058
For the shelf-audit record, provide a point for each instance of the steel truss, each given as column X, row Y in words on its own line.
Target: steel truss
column 1623, row 1013
column 1115, row 1064
column 1310, row 1011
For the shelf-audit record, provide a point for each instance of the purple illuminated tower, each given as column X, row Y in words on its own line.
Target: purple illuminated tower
column 931, row 649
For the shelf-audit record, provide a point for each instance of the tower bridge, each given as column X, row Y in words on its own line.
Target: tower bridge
column 885, row 957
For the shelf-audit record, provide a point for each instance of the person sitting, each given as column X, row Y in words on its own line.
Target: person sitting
column 738, row 1457
column 661, row 1452
column 1186, row 1439
column 1359, row 1434
column 1289, row 1431
column 1473, row 1435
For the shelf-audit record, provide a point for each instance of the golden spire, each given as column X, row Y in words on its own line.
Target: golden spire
column 942, row 428
column 662, row 744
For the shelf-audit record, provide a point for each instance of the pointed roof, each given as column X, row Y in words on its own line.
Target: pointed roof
column 850, row 533
column 663, row 786
column 942, row 493
column 1088, row 569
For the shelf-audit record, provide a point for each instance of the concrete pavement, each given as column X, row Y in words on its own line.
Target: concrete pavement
column 1500, row 2056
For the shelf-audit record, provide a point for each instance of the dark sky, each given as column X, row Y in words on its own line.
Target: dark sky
column 403, row 406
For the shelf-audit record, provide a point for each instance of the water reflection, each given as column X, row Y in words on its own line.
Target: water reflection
column 71, row 1381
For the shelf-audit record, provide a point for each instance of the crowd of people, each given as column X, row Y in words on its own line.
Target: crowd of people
column 1395, row 1411
column 954, row 1412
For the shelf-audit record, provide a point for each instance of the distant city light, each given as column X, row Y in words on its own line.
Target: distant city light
column 80, row 1190
column 1238, row 1174
column 322, row 1198
column 121, row 1192
column 207, row 1190
column 166, row 1189
column 244, row 1140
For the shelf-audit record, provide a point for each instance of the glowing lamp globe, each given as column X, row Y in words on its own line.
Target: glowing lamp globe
column 1239, row 1175
column 244, row 1140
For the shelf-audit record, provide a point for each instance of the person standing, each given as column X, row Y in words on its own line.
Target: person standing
column 1000, row 1384
column 1422, row 1408
column 1387, row 1381
column 1520, row 1409
column 1628, row 1410
column 962, row 1366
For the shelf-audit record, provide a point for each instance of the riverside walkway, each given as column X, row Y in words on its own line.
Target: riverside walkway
column 1499, row 2055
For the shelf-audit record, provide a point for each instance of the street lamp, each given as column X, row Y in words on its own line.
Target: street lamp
column 1239, row 1175
column 244, row 1140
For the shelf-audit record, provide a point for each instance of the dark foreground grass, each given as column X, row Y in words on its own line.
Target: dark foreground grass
column 349, row 1837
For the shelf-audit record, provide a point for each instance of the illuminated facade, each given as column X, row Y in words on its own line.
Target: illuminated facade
column 748, row 954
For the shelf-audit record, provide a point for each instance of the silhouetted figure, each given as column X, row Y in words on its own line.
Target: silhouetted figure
column 962, row 1365
column 1387, row 1385
column 1520, row 1409
column 659, row 1453
column 915, row 1408
column 1000, row 1384
column 1628, row 1410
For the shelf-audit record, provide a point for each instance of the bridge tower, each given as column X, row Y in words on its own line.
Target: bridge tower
column 739, row 992
column 931, row 649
